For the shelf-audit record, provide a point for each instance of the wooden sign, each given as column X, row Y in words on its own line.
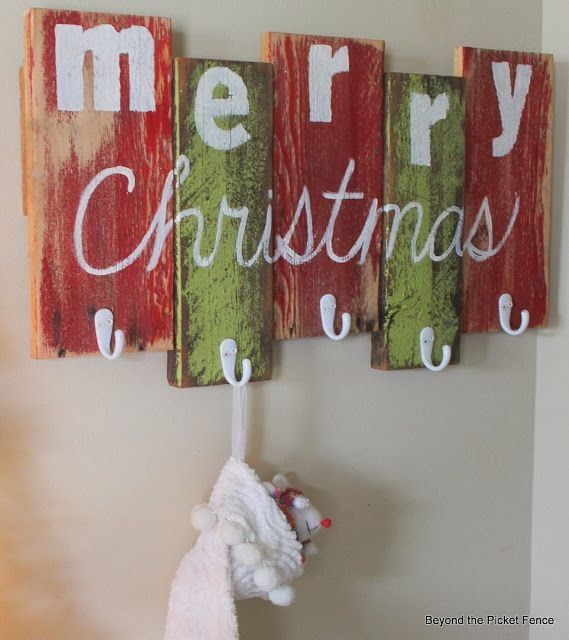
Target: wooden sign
column 97, row 154
column 423, row 189
column 508, row 184
column 328, row 152
column 223, row 142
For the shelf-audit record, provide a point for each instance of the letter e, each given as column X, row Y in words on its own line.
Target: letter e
column 208, row 108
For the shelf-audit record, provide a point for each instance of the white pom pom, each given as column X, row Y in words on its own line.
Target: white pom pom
column 270, row 487
column 282, row 596
column 203, row 518
column 231, row 533
column 247, row 554
column 310, row 549
column 300, row 502
column 280, row 482
column 266, row 578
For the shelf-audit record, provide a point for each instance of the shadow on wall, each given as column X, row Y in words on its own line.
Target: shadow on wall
column 338, row 578
column 36, row 586
column 560, row 117
column 353, row 554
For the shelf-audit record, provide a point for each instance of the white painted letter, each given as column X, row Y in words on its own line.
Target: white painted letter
column 511, row 106
column 209, row 108
column 107, row 45
column 424, row 114
column 322, row 66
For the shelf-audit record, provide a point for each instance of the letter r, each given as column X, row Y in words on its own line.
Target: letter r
column 424, row 114
column 322, row 66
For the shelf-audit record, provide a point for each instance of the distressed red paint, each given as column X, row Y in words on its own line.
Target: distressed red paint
column 521, row 268
column 69, row 150
column 315, row 155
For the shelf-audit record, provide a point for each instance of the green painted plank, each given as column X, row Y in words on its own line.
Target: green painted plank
column 417, row 290
column 223, row 125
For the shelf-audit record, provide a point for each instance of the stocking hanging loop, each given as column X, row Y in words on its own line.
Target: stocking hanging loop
column 228, row 352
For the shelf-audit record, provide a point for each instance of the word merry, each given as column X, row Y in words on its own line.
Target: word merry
column 137, row 44
column 161, row 227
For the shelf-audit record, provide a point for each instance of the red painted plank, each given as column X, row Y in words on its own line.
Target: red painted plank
column 119, row 121
column 328, row 121
column 510, row 170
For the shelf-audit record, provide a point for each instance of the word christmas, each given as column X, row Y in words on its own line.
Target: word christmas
column 160, row 228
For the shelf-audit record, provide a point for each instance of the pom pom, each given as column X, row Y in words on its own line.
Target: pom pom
column 231, row 533
column 310, row 549
column 280, row 482
column 326, row 523
column 282, row 596
column 203, row 518
column 266, row 578
column 271, row 489
column 247, row 554
column 300, row 502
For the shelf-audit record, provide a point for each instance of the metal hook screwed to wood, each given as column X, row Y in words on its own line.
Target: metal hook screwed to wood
column 228, row 352
column 328, row 313
column 427, row 339
column 505, row 306
column 104, row 322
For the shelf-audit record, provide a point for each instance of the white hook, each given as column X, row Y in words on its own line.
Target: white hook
column 327, row 314
column 228, row 351
column 505, row 305
column 104, row 331
column 426, row 340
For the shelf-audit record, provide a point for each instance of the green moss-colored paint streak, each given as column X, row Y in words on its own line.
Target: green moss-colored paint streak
column 175, row 357
column 425, row 293
column 223, row 300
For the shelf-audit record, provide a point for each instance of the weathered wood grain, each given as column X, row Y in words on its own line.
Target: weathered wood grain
column 419, row 291
column 317, row 135
column 71, row 134
column 25, row 132
column 227, row 293
column 505, row 252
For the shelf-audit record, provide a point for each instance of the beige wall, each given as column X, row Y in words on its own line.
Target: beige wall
column 550, row 548
column 428, row 477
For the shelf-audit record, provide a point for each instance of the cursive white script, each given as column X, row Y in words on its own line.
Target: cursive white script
column 160, row 227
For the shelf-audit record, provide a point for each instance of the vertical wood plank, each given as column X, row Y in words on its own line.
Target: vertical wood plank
column 223, row 282
column 97, row 97
column 25, row 130
column 327, row 133
column 508, row 167
column 424, row 172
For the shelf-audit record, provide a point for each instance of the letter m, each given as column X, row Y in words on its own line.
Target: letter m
column 107, row 45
